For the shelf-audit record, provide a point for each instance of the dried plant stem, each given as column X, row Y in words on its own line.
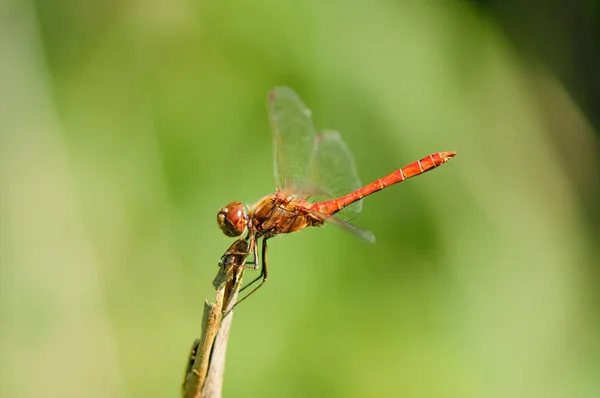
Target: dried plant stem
column 206, row 365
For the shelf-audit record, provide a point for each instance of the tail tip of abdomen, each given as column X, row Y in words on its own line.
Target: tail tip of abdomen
column 446, row 156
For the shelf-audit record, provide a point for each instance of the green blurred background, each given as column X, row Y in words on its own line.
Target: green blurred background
column 126, row 125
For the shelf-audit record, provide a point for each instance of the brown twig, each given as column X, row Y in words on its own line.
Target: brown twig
column 213, row 385
column 206, row 364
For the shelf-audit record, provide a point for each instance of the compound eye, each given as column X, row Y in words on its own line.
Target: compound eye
column 232, row 219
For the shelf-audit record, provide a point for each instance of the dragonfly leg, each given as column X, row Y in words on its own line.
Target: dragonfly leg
column 254, row 249
column 251, row 238
column 238, row 253
column 263, row 272
column 230, row 258
column 253, row 264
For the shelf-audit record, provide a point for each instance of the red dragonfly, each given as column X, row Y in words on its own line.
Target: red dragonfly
column 316, row 182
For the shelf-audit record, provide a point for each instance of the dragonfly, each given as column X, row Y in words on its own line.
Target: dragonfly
column 316, row 182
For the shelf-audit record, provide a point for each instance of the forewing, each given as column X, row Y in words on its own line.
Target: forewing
column 333, row 170
column 294, row 140
column 319, row 166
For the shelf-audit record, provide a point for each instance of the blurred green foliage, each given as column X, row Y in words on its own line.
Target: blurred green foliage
column 125, row 126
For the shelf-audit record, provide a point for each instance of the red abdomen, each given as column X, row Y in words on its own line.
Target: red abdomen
column 413, row 169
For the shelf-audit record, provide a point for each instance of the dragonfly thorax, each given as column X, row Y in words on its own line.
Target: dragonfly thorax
column 232, row 219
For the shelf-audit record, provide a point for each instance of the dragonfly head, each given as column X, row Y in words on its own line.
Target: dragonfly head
column 232, row 219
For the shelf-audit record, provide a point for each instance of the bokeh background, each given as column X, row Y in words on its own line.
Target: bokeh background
column 126, row 125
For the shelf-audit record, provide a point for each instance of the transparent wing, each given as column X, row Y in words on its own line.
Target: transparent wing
column 313, row 166
column 353, row 229
column 294, row 139
column 333, row 170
